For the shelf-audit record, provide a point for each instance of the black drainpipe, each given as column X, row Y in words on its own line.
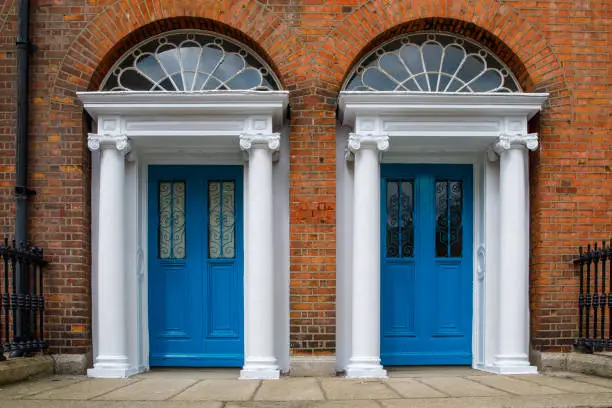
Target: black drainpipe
column 21, row 151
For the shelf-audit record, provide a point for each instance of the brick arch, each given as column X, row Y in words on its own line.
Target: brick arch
column 494, row 24
column 174, row 23
column 126, row 22
column 169, row 24
column 470, row 30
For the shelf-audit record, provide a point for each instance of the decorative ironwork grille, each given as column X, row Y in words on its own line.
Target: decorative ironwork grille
column 190, row 60
column 595, row 298
column 449, row 226
column 221, row 219
column 432, row 62
column 400, row 219
column 172, row 220
column 22, row 306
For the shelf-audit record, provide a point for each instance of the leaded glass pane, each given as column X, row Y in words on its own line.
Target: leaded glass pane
column 221, row 219
column 456, row 211
column 172, row 220
column 393, row 238
column 406, row 218
column 449, row 227
column 189, row 60
column 400, row 225
column 431, row 62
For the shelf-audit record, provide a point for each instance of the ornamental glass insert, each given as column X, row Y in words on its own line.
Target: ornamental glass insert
column 449, row 210
column 190, row 61
column 432, row 62
column 172, row 220
column 221, row 219
column 400, row 222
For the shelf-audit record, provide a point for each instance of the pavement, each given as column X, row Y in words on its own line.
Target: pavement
column 456, row 387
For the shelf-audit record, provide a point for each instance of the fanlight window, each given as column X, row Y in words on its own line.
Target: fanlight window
column 190, row 61
column 432, row 62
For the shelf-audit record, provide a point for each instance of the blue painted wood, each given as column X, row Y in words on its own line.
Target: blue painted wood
column 426, row 301
column 196, row 303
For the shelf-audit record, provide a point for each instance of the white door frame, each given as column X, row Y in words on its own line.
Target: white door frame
column 422, row 127
column 185, row 128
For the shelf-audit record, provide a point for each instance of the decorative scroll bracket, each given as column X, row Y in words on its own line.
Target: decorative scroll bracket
column 358, row 141
column 119, row 142
column 270, row 141
column 509, row 141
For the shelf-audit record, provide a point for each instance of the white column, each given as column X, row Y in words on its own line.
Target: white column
column 111, row 360
column 259, row 359
column 513, row 342
column 365, row 337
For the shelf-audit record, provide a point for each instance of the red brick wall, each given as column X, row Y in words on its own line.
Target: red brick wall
column 558, row 46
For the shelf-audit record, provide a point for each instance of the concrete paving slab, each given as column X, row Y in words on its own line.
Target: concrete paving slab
column 220, row 389
column 109, row 404
column 411, row 388
column 290, row 389
column 346, row 404
column 603, row 382
column 193, row 373
column 270, row 404
column 345, row 389
column 84, row 390
column 27, row 388
column 515, row 386
column 433, row 371
column 564, row 384
column 531, row 401
column 150, row 390
column 460, row 387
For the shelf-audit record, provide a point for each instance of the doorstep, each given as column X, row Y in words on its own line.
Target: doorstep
column 24, row 368
column 599, row 364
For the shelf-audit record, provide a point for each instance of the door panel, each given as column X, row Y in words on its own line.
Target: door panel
column 398, row 316
column 426, row 265
column 195, row 275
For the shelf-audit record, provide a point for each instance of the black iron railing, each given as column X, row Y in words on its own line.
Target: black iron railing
column 22, row 302
column 595, row 298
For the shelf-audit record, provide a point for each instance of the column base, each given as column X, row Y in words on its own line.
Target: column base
column 260, row 369
column 365, row 368
column 111, row 367
column 512, row 364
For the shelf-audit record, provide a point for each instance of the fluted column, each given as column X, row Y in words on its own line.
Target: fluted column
column 513, row 342
column 365, row 338
column 259, row 359
column 111, row 360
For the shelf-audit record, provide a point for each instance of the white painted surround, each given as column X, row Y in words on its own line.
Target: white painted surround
column 135, row 129
column 488, row 131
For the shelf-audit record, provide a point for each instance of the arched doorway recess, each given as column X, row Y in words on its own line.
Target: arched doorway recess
column 433, row 208
column 183, row 231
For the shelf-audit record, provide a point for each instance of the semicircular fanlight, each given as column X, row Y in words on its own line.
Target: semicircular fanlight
column 431, row 62
column 190, row 60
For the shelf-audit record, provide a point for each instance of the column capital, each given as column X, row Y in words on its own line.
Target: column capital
column 359, row 141
column 119, row 142
column 507, row 141
column 270, row 141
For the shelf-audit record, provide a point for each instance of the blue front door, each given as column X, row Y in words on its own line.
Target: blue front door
column 195, row 266
column 426, row 264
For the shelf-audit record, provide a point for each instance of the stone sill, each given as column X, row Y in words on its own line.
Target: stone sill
column 599, row 364
column 24, row 368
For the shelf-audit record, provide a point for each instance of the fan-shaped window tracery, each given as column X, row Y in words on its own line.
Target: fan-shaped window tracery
column 432, row 62
column 190, row 61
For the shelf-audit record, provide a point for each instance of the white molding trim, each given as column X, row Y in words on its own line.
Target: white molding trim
column 354, row 103
column 172, row 128
column 448, row 127
column 243, row 103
